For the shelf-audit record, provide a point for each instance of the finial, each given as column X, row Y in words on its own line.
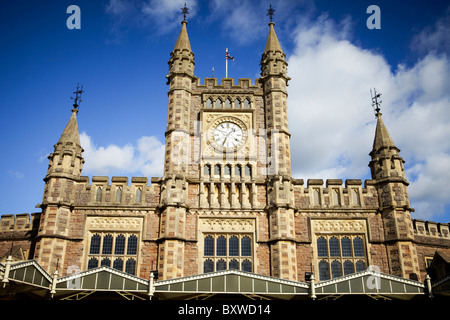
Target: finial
column 184, row 12
column 375, row 102
column 271, row 12
column 77, row 98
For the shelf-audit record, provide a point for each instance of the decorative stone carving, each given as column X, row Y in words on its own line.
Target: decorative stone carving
column 114, row 223
column 227, row 225
column 339, row 226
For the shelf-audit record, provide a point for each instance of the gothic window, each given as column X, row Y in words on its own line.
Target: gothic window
column 217, row 170
column 248, row 170
column 218, row 103
column 93, row 263
column 237, row 104
column 324, row 270
column 209, row 246
column 233, row 244
column 98, row 195
column 246, row 104
column 120, row 244
column 334, row 247
column 207, row 170
column 130, row 266
column 227, row 170
column 221, row 246
column 119, row 194
column 221, row 265
column 322, row 248
column 138, row 194
column 209, row 103
column 228, row 103
column 107, row 244
column 233, row 251
column 95, row 244
column 316, row 195
column 237, row 170
column 340, row 255
column 109, row 249
column 208, row 266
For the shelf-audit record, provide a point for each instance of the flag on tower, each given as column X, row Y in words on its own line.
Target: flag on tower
column 229, row 57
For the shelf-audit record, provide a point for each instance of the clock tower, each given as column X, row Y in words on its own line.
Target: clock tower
column 226, row 195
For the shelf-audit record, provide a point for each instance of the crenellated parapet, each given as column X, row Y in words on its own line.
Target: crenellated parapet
column 118, row 191
column 19, row 222
column 335, row 194
column 431, row 229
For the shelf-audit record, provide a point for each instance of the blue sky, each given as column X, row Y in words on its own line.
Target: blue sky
column 120, row 56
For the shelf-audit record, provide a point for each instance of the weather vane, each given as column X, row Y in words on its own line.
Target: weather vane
column 77, row 96
column 271, row 12
column 184, row 11
column 375, row 102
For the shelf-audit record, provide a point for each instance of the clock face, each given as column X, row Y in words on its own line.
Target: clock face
column 228, row 135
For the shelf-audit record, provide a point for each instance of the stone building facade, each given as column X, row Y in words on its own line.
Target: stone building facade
column 227, row 199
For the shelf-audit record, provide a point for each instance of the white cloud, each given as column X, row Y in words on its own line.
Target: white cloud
column 329, row 102
column 146, row 158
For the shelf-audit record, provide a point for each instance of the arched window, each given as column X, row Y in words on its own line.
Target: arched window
column 107, row 244
column 228, row 103
column 322, row 248
column 237, row 104
column 348, row 267
column 93, row 263
column 246, row 104
column 105, row 262
column 209, row 103
column 234, row 264
column 95, row 244
column 227, row 170
column 119, row 248
column 118, row 264
column 346, row 245
column 130, row 266
column 217, row 170
column 336, row 270
column 221, row 246
column 358, row 247
column 138, row 194
column 237, row 170
column 247, row 265
column 355, row 195
column 360, row 266
column 208, row 266
column 218, row 103
column 207, row 170
column 209, row 246
column 246, row 246
column 324, row 270
column 98, row 195
column 132, row 245
column 248, row 170
column 316, row 195
column 119, row 194
column 233, row 244
column 221, row 265
column 334, row 247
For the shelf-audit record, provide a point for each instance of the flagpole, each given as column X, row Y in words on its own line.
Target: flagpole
column 226, row 63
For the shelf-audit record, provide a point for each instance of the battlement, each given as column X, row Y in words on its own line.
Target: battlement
column 19, row 222
column 335, row 193
column 244, row 84
column 431, row 229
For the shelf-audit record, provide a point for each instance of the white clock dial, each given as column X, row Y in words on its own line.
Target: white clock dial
column 228, row 135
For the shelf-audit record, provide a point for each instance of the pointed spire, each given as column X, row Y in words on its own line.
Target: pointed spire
column 272, row 43
column 183, row 39
column 382, row 137
column 70, row 133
